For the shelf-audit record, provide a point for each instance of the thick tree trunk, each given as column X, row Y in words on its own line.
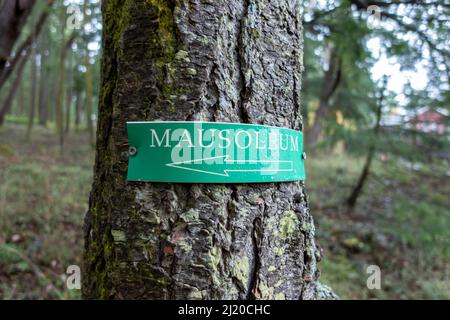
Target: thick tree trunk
column 231, row 61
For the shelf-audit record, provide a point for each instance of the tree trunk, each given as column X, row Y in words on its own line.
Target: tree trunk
column 89, row 111
column 33, row 97
column 45, row 82
column 21, row 100
column 13, row 14
column 69, row 93
column 7, row 103
column 210, row 61
column 88, row 81
column 61, row 89
column 25, row 45
column 330, row 83
column 77, row 111
column 357, row 190
column 34, row 80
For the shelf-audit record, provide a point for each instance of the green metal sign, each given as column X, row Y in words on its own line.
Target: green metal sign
column 213, row 152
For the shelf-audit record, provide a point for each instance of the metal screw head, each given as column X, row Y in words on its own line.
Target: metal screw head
column 132, row 151
column 304, row 155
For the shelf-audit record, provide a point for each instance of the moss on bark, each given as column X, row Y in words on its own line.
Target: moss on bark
column 237, row 61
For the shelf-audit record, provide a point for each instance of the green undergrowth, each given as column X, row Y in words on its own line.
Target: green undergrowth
column 43, row 199
column 401, row 224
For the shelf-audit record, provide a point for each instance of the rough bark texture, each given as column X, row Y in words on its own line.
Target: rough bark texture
column 231, row 61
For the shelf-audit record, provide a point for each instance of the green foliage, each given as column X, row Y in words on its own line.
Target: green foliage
column 402, row 224
column 409, row 34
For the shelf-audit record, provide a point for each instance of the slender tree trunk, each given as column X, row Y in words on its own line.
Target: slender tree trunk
column 357, row 190
column 89, row 109
column 45, row 81
column 53, row 98
column 21, row 100
column 69, row 94
column 59, row 114
column 7, row 103
column 33, row 97
column 329, row 85
column 68, row 111
column 214, row 61
column 61, row 89
column 88, row 81
column 34, row 80
column 77, row 111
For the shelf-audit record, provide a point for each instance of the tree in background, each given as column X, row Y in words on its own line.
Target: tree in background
column 88, row 81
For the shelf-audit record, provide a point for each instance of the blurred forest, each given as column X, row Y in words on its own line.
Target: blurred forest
column 375, row 102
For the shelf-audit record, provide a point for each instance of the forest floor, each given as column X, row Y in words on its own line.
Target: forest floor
column 401, row 223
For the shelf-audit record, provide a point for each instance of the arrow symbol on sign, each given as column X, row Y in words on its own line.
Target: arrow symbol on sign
column 223, row 169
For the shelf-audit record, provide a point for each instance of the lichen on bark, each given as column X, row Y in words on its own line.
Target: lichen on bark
column 208, row 60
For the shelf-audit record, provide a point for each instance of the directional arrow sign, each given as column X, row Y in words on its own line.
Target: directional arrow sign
column 212, row 152
column 234, row 166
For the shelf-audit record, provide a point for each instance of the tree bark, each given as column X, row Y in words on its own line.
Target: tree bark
column 13, row 14
column 238, row 61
